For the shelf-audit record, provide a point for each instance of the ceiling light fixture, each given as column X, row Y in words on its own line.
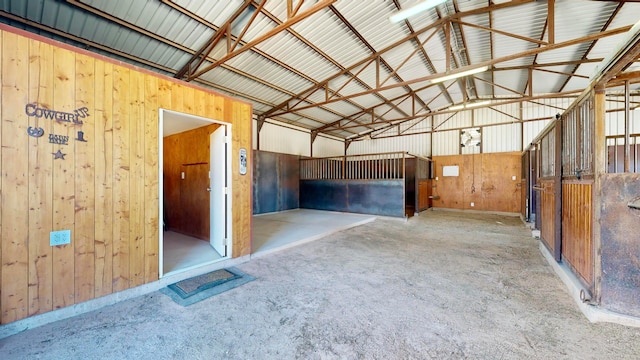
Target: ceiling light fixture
column 460, row 74
column 469, row 105
column 413, row 10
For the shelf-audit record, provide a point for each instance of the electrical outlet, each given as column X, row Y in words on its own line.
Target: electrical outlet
column 61, row 237
column 473, row 204
column 513, row 178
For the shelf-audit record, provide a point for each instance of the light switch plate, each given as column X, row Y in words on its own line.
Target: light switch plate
column 61, row 237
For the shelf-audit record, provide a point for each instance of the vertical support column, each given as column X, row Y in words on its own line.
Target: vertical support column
column 557, row 251
column 551, row 21
column 627, row 125
column 599, row 169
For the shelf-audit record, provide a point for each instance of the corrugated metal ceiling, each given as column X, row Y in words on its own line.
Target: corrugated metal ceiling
column 331, row 64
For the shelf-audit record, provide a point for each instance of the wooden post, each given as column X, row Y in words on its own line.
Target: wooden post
column 627, row 125
column 599, row 169
column 557, row 251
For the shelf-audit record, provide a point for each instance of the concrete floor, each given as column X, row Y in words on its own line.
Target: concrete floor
column 282, row 230
column 182, row 252
column 444, row 285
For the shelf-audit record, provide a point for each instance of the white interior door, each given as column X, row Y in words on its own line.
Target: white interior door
column 217, row 194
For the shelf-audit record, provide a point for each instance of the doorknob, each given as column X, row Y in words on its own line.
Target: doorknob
column 209, row 189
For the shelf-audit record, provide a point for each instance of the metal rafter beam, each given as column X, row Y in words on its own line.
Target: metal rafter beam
column 586, row 53
column 377, row 136
column 498, row 102
column 285, row 25
column 223, row 31
column 491, row 62
column 392, row 46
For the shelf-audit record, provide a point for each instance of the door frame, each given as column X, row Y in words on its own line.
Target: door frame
column 194, row 122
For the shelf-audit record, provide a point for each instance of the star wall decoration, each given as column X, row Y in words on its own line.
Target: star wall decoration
column 58, row 155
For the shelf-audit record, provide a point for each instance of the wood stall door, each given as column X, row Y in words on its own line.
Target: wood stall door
column 193, row 195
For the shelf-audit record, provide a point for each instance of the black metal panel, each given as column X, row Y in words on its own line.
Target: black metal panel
column 377, row 197
column 620, row 226
column 265, row 182
column 288, row 182
column 324, row 195
column 410, row 167
column 276, row 182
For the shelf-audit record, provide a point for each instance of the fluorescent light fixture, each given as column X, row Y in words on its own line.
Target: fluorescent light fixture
column 469, row 105
column 478, row 103
column 413, row 10
column 460, row 74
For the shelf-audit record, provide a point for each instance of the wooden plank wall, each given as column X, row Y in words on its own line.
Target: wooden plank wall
column 485, row 179
column 547, row 213
column 104, row 189
column 577, row 227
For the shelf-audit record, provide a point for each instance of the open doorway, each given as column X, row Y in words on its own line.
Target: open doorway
column 195, row 172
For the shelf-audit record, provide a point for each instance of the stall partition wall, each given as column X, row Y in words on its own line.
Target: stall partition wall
column 577, row 189
column 548, row 187
column 93, row 170
column 417, row 184
column 367, row 184
column 488, row 182
column 529, row 198
column 618, row 206
column 276, row 182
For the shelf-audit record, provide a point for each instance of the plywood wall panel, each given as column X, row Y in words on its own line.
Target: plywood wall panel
column 84, row 183
column 121, row 165
column 103, row 144
column 40, row 188
column 151, row 182
column 484, row 180
column 136, row 171
column 15, row 218
column 105, row 190
column 240, row 116
column 64, row 89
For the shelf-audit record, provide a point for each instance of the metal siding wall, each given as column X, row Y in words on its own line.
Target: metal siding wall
column 487, row 116
column 418, row 144
column 254, row 136
column 545, row 108
column 501, row 138
column 325, row 147
column 284, row 140
column 532, row 129
column 446, row 143
column 461, row 119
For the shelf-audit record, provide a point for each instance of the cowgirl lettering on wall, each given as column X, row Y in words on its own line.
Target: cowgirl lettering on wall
column 75, row 117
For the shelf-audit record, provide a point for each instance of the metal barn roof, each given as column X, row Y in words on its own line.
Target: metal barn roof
column 340, row 67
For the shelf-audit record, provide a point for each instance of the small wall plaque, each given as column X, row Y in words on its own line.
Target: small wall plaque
column 58, row 139
column 35, row 132
column 243, row 161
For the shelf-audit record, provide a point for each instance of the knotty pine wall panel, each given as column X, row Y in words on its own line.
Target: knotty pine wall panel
column 100, row 180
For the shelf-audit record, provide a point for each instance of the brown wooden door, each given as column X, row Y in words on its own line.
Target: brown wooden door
column 194, row 200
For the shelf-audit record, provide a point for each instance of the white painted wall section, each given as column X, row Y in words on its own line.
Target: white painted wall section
column 446, row 143
column 501, row 138
column 418, row 144
column 284, row 140
column 325, row 147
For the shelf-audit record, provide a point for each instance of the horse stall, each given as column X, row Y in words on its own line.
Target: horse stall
column 390, row 184
column 585, row 169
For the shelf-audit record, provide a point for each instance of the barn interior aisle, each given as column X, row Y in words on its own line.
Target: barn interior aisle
column 444, row 284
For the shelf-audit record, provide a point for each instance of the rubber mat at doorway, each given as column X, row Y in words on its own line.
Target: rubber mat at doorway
column 198, row 288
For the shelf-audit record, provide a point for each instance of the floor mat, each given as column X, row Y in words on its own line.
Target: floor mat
column 198, row 288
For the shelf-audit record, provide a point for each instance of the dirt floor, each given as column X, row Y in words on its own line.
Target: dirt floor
column 444, row 285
